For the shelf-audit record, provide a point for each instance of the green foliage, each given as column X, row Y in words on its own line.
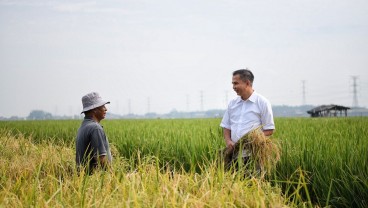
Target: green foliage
column 44, row 175
column 324, row 161
column 178, row 143
column 332, row 152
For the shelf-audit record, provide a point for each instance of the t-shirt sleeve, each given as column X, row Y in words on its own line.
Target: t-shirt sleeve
column 97, row 142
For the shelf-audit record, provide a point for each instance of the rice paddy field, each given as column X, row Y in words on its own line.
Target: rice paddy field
column 175, row 163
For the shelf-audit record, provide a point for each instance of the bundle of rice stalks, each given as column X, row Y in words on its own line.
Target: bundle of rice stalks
column 264, row 153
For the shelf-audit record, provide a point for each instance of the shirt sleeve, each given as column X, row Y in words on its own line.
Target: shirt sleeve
column 225, row 123
column 97, row 143
column 267, row 117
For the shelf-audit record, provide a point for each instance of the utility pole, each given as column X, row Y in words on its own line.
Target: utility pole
column 303, row 91
column 355, row 92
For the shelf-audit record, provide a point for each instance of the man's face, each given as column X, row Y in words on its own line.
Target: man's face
column 239, row 85
column 100, row 112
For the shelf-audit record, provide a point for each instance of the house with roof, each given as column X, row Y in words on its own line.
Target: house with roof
column 329, row 111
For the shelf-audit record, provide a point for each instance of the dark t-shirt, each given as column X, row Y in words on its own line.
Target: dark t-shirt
column 91, row 142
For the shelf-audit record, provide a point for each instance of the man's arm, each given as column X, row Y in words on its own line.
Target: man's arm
column 99, row 149
column 227, row 137
column 103, row 161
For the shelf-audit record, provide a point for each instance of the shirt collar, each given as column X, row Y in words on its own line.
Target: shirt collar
column 252, row 98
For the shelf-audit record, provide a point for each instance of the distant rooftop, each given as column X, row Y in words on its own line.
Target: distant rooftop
column 328, row 111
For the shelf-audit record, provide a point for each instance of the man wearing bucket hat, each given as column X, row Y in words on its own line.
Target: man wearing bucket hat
column 92, row 146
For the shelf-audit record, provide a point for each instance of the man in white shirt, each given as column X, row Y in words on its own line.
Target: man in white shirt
column 246, row 112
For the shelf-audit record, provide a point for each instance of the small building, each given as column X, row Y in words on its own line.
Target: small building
column 329, row 111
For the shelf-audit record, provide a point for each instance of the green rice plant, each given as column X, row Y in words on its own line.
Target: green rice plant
column 323, row 160
column 179, row 143
column 40, row 130
column 332, row 152
column 43, row 174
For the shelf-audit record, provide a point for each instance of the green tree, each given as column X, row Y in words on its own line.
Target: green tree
column 39, row 115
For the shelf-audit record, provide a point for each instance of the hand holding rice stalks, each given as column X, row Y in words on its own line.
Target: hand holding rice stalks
column 264, row 153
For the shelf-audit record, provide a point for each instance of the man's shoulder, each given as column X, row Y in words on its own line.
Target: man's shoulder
column 259, row 98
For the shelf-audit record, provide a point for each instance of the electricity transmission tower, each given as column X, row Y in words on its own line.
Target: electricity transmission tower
column 303, row 91
column 355, row 91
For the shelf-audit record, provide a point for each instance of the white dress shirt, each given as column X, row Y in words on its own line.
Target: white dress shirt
column 242, row 116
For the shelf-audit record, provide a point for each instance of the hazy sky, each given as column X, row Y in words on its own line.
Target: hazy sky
column 145, row 55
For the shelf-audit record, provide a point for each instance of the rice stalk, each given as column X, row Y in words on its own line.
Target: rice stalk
column 264, row 152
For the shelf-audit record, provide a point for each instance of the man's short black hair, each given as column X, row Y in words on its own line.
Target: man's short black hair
column 245, row 74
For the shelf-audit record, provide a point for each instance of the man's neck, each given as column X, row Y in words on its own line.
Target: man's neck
column 92, row 117
column 247, row 94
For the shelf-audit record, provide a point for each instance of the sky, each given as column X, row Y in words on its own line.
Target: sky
column 164, row 55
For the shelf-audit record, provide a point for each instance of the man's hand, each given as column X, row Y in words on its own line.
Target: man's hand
column 103, row 161
column 227, row 136
column 230, row 144
column 268, row 132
